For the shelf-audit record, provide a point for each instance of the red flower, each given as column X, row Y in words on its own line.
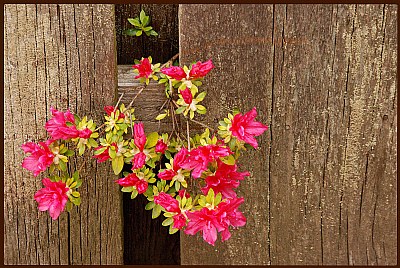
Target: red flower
column 183, row 193
column 144, row 68
column 174, row 72
column 168, row 202
column 200, row 69
column 139, row 136
column 171, row 205
column 139, row 160
column 245, row 128
column 200, row 157
column 85, row 133
column 133, row 180
column 110, row 109
column 187, row 96
column 161, row 146
column 225, row 179
column 210, row 222
column 52, row 198
column 179, row 159
column 40, row 156
column 57, row 125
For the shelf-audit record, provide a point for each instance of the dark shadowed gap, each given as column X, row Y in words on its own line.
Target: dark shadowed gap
column 146, row 241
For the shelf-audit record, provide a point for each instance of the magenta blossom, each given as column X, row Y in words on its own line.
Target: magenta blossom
column 133, row 180
column 52, row 198
column 174, row 72
column 211, row 221
column 161, row 146
column 179, row 159
column 200, row 157
column 187, row 96
column 183, row 193
column 200, row 69
column 40, row 156
column 110, row 109
column 58, row 128
column 144, row 68
column 245, row 128
column 139, row 159
column 226, row 178
column 85, row 133
column 171, row 205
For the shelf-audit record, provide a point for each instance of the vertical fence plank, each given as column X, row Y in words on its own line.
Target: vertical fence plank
column 325, row 76
column 61, row 56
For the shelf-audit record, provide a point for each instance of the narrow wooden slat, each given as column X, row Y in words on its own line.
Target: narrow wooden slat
column 60, row 56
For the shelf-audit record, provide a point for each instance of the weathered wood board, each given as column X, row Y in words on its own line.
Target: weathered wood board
column 62, row 56
column 323, row 77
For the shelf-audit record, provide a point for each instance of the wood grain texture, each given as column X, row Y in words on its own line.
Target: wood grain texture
column 323, row 189
column 60, row 56
column 163, row 19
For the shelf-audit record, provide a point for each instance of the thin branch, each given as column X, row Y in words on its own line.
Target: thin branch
column 188, row 134
column 170, row 61
column 116, row 106
column 134, row 98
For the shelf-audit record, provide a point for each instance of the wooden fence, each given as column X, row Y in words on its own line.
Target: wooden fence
column 323, row 188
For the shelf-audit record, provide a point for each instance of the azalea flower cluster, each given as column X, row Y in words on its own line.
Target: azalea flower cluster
column 192, row 182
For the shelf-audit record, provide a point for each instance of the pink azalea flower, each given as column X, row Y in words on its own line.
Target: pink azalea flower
column 144, row 68
column 245, row 128
column 168, row 202
column 57, row 125
column 183, row 193
column 171, row 205
column 200, row 69
column 206, row 221
column 161, row 146
column 40, row 156
column 104, row 156
column 110, row 109
column 210, row 222
column 226, row 178
column 174, row 72
column 200, row 157
column 52, row 198
column 133, row 180
column 139, row 136
column 85, row 133
column 179, row 159
column 139, row 160
column 187, row 96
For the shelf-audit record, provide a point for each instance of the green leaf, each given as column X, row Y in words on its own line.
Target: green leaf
column 127, row 189
column 180, row 110
column 154, row 33
column 201, row 96
column 92, row 143
column 177, row 186
column 69, row 153
column 81, row 150
column 156, row 211
column 167, row 222
column 76, row 194
column 139, row 33
column 130, row 32
column 152, row 139
column 142, row 15
column 76, row 201
column 161, row 116
column 150, row 206
column 134, row 194
column 168, row 155
column 229, row 160
column 148, row 28
column 75, row 176
column 112, row 153
column 118, row 164
column 62, row 165
column 172, row 230
column 134, row 22
column 69, row 206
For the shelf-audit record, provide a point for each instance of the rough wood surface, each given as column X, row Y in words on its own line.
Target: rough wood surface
column 323, row 189
column 61, row 56
column 163, row 19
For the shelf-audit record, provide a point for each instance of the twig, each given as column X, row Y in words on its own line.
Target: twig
column 134, row 98
column 116, row 106
column 188, row 134
column 170, row 61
